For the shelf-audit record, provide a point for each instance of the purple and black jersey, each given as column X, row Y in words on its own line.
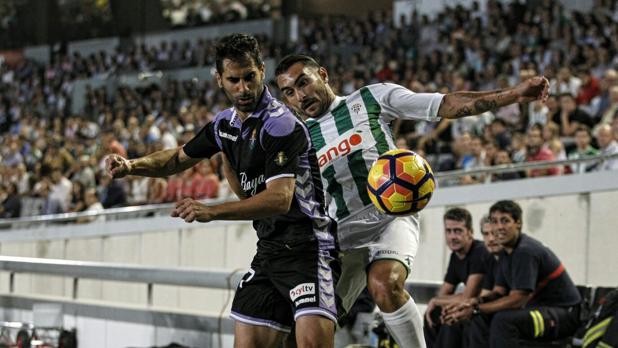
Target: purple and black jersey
column 271, row 143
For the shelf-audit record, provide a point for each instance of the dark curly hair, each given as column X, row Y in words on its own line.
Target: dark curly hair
column 238, row 48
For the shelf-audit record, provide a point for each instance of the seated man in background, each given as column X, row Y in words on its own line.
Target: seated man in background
column 466, row 266
column 542, row 303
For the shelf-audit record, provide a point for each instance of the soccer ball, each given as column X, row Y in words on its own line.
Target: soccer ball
column 400, row 183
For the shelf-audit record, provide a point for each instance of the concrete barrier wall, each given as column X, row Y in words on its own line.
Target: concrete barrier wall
column 579, row 226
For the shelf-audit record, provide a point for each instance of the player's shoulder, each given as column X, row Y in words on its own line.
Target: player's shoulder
column 382, row 88
column 279, row 120
column 224, row 115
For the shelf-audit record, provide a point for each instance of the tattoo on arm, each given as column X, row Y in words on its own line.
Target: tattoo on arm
column 463, row 111
column 481, row 105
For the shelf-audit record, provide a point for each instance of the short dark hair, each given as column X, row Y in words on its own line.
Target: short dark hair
column 583, row 128
column 292, row 59
column 237, row 48
column 459, row 214
column 507, row 207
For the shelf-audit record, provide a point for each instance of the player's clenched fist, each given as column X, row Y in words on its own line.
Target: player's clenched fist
column 117, row 166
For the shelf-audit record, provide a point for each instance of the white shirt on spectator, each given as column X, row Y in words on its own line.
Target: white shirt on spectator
column 572, row 86
column 612, row 163
column 62, row 192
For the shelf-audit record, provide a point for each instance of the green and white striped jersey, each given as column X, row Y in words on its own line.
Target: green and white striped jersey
column 354, row 132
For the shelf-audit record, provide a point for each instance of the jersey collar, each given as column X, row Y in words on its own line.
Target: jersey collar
column 265, row 100
column 338, row 100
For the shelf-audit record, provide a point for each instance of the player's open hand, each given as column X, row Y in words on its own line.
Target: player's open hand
column 191, row 210
column 534, row 88
column 117, row 166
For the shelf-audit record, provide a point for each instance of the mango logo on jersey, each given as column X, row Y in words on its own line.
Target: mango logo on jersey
column 344, row 145
column 303, row 289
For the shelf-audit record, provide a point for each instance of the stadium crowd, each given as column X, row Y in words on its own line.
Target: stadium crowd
column 50, row 153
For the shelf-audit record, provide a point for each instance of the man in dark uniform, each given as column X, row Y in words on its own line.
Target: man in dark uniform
column 292, row 276
column 542, row 301
column 466, row 266
column 491, row 258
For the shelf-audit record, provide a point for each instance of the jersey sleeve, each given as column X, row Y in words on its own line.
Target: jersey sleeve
column 400, row 102
column 284, row 141
column 204, row 144
column 525, row 271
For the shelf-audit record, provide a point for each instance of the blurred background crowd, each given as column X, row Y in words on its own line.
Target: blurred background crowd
column 51, row 153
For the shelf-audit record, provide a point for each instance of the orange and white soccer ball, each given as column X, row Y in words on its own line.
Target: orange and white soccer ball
column 400, row 182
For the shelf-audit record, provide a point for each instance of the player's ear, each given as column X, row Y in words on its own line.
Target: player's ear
column 219, row 80
column 323, row 73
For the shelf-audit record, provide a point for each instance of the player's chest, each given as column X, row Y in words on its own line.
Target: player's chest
column 241, row 146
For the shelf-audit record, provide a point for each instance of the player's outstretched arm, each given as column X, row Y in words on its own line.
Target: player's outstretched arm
column 461, row 104
column 157, row 164
column 275, row 200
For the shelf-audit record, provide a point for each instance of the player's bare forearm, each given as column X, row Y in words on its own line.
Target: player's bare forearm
column 253, row 208
column 461, row 104
column 162, row 163
column 275, row 200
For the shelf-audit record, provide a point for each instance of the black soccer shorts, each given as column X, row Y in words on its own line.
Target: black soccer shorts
column 286, row 282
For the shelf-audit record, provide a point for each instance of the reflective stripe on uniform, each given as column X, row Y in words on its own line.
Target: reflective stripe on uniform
column 596, row 331
column 539, row 324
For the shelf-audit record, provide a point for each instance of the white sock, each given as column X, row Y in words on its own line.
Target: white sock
column 406, row 325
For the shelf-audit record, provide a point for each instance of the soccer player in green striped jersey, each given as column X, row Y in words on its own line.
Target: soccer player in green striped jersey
column 348, row 133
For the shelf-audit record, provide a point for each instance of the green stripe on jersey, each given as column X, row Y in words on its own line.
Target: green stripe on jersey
column 336, row 191
column 373, row 113
column 342, row 118
column 356, row 162
column 316, row 134
column 359, row 171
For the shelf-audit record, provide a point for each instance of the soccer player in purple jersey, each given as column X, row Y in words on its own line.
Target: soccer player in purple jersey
column 293, row 274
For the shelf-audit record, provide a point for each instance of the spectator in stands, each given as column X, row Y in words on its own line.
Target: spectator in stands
column 77, row 197
column 571, row 116
column 466, row 266
column 601, row 103
column 474, row 160
column 51, row 204
column 534, row 297
column 537, row 151
column 503, row 158
column 92, row 205
column 83, row 172
column 608, row 146
column 60, row 189
column 157, row 190
column 551, row 137
column 565, row 82
column 206, row 184
column 589, row 88
column 112, row 192
column 608, row 116
column 500, row 133
column 583, row 138
column 11, row 201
